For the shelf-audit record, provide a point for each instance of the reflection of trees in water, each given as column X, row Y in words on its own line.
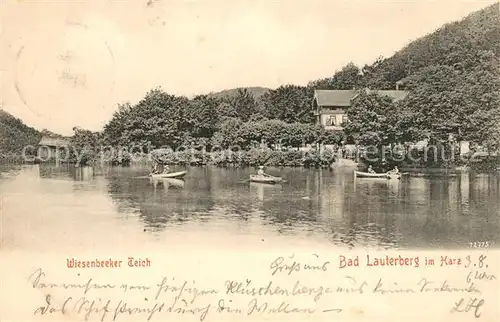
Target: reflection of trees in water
column 436, row 224
column 83, row 178
column 52, row 171
column 288, row 213
column 291, row 205
column 82, row 173
column 422, row 213
column 229, row 192
column 65, row 172
column 415, row 212
column 483, row 188
column 159, row 203
column 458, row 210
column 9, row 170
column 370, row 214
column 210, row 193
column 485, row 208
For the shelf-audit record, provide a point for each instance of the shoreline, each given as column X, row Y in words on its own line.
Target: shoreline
column 412, row 171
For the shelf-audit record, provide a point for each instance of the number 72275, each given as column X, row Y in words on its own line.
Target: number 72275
column 481, row 244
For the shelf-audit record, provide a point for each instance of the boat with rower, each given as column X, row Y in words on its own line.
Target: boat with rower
column 176, row 175
column 359, row 174
column 265, row 179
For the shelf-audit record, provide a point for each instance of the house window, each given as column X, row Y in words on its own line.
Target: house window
column 344, row 119
column 331, row 121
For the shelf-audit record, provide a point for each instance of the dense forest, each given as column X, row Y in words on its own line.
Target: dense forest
column 14, row 136
column 452, row 75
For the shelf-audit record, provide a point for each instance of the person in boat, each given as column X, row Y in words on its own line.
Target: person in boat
column 261, row 172
column 370, row 169
column 166, row 169
column 394, row 171
column 154, row 168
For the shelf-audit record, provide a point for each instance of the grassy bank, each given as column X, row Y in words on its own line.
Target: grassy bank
column 11, row 158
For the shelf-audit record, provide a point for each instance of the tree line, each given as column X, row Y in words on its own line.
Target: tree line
column 452, row 75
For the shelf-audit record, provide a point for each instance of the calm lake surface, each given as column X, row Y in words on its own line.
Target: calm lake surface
column 47, row 206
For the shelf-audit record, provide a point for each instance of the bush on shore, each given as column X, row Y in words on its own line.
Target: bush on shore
column 252, row 157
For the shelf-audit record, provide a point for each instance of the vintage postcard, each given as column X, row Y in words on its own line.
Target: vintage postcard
column 216, row 160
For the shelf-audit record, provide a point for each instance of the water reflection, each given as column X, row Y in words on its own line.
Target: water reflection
column 82, row 173
column 8, row 171
column 411, row 212
column 261, row 189
column 166, row 183
column 63, row 172
column 414, row 212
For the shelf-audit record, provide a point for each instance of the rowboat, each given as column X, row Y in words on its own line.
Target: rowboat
column 265, row 179
column 179, row 174
column 360, row 174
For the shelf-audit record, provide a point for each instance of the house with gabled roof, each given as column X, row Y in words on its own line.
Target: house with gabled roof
column 48, row 147
column 330, row 106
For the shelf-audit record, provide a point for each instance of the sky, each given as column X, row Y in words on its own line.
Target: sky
column 70, row 63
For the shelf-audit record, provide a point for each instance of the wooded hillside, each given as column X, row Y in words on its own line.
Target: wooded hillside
column 453, row 76
column 15, row 135
column 460, row 45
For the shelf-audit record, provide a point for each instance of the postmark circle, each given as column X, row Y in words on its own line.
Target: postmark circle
column 59, row 73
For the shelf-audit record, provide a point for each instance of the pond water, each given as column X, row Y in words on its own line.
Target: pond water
column 44, row 206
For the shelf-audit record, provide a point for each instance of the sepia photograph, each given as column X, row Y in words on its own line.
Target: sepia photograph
column 145, row 143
